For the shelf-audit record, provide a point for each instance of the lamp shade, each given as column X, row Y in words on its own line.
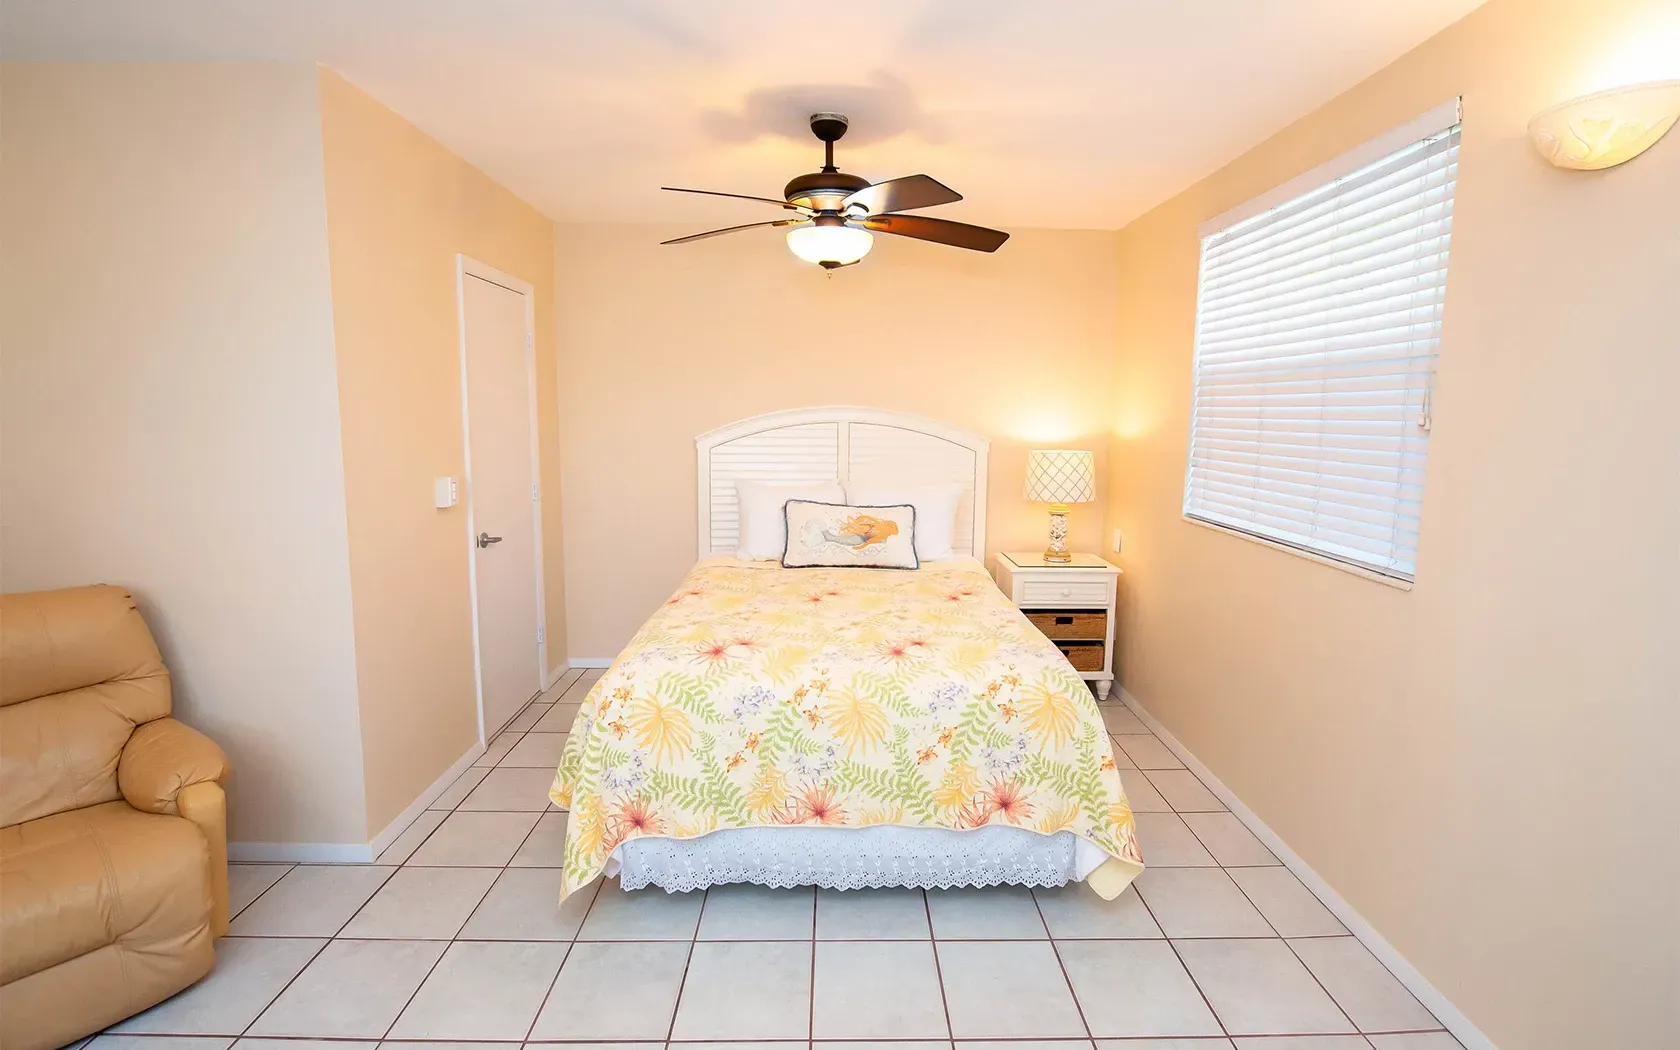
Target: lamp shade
column 1061, row 475
column 1606, row 129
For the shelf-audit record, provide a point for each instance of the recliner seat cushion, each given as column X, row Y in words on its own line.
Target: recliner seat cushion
column 76, row 882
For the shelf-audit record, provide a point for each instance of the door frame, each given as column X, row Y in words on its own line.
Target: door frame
column 466, row 266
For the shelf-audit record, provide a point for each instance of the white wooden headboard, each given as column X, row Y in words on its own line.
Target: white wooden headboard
column 852, row 444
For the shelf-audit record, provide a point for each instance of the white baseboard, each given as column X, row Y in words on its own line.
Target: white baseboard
column 1427, row 994
column 418, row 806
column 352, row 852
column 300, row 852
column 589, row 661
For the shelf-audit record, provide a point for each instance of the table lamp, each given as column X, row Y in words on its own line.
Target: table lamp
column 1058, row 477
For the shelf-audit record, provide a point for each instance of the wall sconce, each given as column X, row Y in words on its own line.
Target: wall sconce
column 1607, row 128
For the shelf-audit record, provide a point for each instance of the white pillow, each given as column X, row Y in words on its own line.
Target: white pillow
column 936, row 512
column 762, row 534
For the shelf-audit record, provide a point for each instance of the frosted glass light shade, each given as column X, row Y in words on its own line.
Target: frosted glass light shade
column 1608, row 128
column 1061, row 475
column 836, row 245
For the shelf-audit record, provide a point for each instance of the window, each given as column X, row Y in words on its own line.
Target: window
column 1318, row 320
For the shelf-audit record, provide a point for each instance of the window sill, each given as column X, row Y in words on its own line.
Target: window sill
column 1356, row 570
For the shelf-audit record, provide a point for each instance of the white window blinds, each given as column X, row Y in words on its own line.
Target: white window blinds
column 1317, row 326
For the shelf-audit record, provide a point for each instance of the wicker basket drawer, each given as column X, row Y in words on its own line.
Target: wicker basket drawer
column 1082, row 657
column 1061, row 626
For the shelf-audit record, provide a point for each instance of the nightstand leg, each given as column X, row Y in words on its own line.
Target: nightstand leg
column 1103, row 685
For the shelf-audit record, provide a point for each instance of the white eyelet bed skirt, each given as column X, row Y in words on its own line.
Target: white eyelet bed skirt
column 856, row 858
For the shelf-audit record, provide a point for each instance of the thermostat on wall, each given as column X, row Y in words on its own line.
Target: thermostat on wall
column 443, row 493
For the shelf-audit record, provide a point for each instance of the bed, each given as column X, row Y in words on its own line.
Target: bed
column 841, row 727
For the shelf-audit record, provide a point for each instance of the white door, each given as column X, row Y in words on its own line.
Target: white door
column 501, row 493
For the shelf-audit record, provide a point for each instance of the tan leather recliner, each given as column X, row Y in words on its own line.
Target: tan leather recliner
column 113, row 825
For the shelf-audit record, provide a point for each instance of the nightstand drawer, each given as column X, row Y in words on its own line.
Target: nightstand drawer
column 1061, row 626
column 1063, row 593
column 1082, row 657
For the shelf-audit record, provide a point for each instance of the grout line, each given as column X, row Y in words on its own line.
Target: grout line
column 797, row 940
column 1303, row 963
column 386, row 881
column 811, row 1015
column 379, row 858
column 258, row 897
column 1062, row 965
column 523, row 841
column 1168, row 801
column 552, row 808
column 511, row 1044
column 416, row 993
column 552, row 981
column 1220, row 1021
column 682, row 983
column 1204, row 842
column 938, row 970
column 563, row 698
column 563, row 960
column 1292, row 952
column 283, row 989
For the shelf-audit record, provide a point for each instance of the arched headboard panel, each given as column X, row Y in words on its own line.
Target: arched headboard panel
column 852, row 444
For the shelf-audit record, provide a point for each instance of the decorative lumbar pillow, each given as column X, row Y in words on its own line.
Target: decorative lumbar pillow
column 936, row 512
column 835, row 535
column 762, row 534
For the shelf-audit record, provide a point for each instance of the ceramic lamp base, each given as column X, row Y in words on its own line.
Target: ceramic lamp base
column 1057, row 552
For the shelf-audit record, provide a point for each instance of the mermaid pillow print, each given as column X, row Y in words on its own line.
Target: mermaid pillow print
column 832, row 535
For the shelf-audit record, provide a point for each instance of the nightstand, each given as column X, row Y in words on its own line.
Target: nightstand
column 1072, row 603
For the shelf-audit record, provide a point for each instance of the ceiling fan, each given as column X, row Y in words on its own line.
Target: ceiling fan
column 837, row 212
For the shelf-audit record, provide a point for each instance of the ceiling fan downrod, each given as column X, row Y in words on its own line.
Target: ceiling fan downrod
column 829, row 127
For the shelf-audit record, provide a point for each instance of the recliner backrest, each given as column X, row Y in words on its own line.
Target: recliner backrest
column 78, row 671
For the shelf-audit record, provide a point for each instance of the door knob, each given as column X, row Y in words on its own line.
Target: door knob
column 485, row 539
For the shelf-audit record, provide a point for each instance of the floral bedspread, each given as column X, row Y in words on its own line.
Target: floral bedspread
column 848, row 697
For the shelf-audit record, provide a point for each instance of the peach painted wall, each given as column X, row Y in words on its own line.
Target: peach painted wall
column 169, row 410
column 399, row 208
column 1483, row 766
column 660, row 344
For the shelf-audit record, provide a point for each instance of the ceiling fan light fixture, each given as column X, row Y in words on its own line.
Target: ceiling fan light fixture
column 830, row 245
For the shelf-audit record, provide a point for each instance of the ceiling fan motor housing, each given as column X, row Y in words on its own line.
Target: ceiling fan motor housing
column 823, row 190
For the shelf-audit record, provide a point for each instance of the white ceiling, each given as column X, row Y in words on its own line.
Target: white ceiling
column 1065, row 113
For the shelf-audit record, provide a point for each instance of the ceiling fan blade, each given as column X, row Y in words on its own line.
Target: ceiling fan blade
column 739, row 196
column 940, row 231
column 732, row 229
column 906, row 194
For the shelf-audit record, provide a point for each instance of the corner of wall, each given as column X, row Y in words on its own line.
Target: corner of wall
column 401, row 208
column 152, row 465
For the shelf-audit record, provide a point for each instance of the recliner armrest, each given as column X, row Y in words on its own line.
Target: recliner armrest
column 162, row 757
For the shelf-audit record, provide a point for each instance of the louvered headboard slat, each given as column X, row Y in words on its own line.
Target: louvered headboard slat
column 816, row 444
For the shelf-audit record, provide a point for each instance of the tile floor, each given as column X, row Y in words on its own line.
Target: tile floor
column 453, row 937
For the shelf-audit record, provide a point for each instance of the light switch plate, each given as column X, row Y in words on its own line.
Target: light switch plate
column 443, row 493
column 1114, row 543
